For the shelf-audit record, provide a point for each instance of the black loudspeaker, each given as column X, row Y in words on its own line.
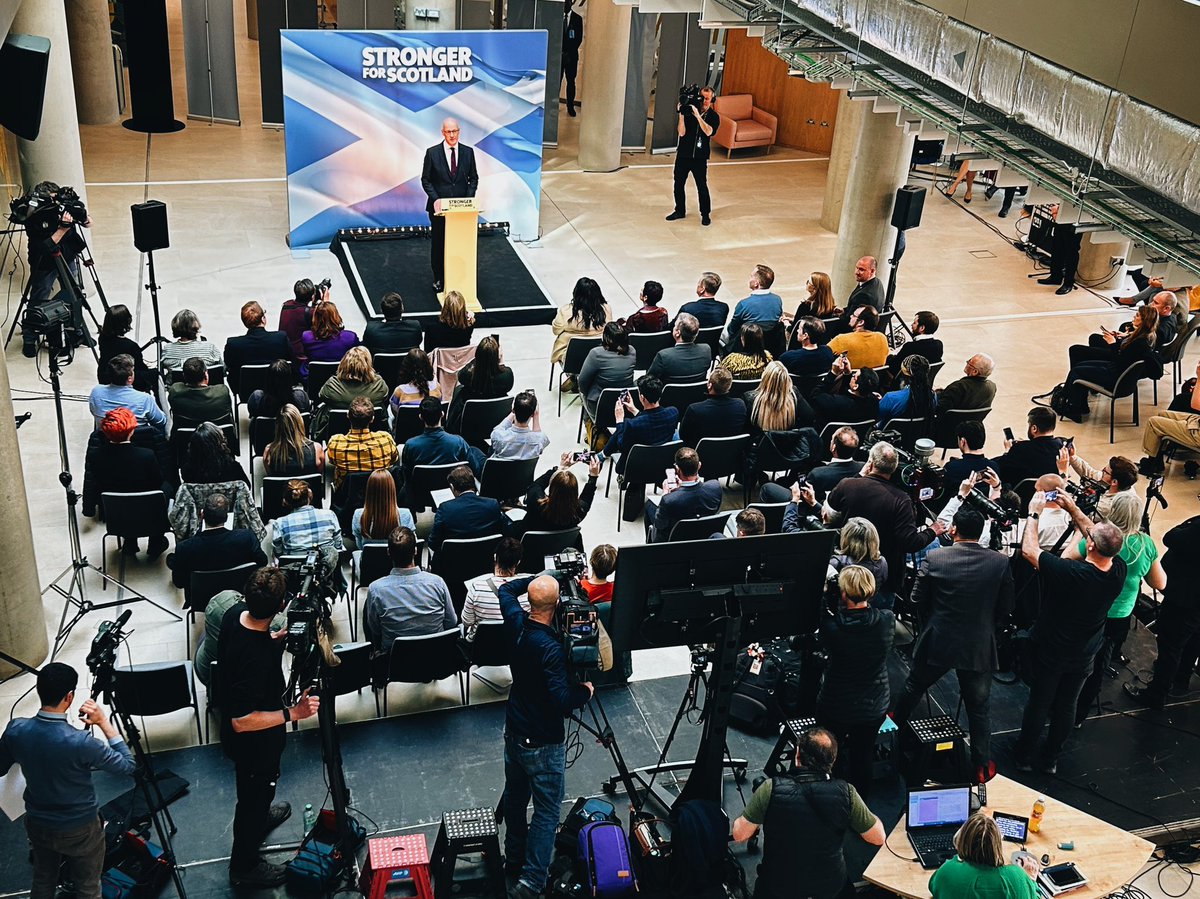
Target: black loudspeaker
column 148, row 55
column 24, row 59
column 910, row 200
column 150, row 226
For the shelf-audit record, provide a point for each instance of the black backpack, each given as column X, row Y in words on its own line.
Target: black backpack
column 768, row 687
column 702, row 867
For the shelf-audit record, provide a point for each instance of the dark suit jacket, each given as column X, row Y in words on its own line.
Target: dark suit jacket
column 392, row 337
column 683, row 364
column 717, row 416
column 709, row 312
column 967, row 393
column 469, row 515
column 929, row 347
column 435, row 174
column 1028, row 459
column 123, row 468
column 825, row 477
column 257, row 346
column 962, row 592
column 685, row 502
column 889, row 507
column 212, row 550
column 868, row 293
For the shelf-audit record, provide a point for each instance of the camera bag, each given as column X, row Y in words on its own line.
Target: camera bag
column 605, row 867
column 768, row 687
column 583, row 812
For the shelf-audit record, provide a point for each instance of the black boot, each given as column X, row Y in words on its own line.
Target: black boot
column 1065, row 289
column 1051, row 279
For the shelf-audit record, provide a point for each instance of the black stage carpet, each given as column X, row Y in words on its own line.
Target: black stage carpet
column 1134, row 769
column 507, row 291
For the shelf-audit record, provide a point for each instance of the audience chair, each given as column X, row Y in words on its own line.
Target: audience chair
column 1172, row 355
column 250, row 379
column 572, row 363
column 946, row 425
column 722, row 457
column 507, row 479
column 645, row 465
column 406, row 422
column 354, row 672
column 216, row 375
column 491, row 648
column 271, row 499
column 423, row 480
column 1025, row 490
column 349, row 497
column 157, row 688
column 1126, row 385
column 131, row 516
column 180, row 437
column 934, row 368
column 606, row 405
column 775, row 339
column 204, row 585
column 262, row 431
column 910, row 429
column 807, row 384
column 536, row 545
column 768, row 459
column 318, row 373
column 480, row 418
column 421, row 660
column 461, row 559
column 862, row 428
column 683, row 395
column 369, row 565
column 773, row 513
column 699, row 528
column 387, row 366
column 646, row 346
column 743, row 386
column 711, row 336
column 339, row 421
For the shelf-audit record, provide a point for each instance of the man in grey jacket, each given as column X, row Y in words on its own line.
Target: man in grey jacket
column 686, row 362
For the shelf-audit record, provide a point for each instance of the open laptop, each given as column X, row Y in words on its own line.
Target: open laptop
column 934, row 816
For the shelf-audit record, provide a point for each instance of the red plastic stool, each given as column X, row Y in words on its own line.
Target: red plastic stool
column 394, row 860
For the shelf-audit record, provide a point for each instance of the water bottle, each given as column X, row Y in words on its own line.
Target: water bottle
column 1035, row 819
column 310, row 819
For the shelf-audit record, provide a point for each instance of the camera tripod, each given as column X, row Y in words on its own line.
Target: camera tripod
column 79, row 297
column 75, row 592
column 889, row 298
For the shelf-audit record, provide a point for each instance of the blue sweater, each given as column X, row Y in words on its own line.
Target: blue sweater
column 57, row 761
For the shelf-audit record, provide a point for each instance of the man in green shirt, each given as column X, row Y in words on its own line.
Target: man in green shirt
column 806, row 815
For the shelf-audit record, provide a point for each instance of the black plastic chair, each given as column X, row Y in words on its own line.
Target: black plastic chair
column 743, row 386
column 506, row 479
column 271, row 500
column 773, row 513
column 423, row 480
column 480, row 418
column 768, row 459
column 807, row 384
column 339, row 421
column 699, row 528
column 721, row 457
column 250, row 379
column 711, row 336
column 644, row 465
column 536, row 545
column 1126, row 385
column 910, row 429
column 318, row 373
column 157, row 688
column 216, row 375
column 572, row 362
column 460, row 559
column 862, row 428
column 775, row 339
column 387, row 366
column 421, row 660
column 945, row 426
column 1025, row 490
column 131, row 516
column 681, row 396
column 354, row 672
column 349, row 497
column 371, row 563
column 204, row 585
column 934, row 368
column 491, row 647
column 406, row 423
column 1172, row 354
column 606, row 405
column 645, row 346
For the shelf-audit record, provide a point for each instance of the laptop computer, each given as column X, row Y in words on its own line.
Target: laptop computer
column 934, row 816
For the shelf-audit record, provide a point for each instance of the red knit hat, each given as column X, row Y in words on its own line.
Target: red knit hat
column 118, row 425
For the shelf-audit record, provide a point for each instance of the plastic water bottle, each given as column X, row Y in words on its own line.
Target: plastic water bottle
column 1035, row 819
column 310, row 819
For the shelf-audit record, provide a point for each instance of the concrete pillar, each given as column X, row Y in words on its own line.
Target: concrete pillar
column 1095, row 263
column 850, row 115
column 601, row 124
column 56, row 155
column 22, row 619
column 92, row 61
column 880, row 165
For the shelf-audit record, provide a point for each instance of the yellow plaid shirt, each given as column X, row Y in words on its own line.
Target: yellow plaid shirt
column 360, row 450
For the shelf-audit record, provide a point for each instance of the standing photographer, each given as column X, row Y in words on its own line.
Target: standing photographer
column 61, row 814
column 697, row 124
column 535, row 761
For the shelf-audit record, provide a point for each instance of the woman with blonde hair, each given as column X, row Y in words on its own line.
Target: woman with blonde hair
column 291, row 453
column 454, row 325
column 978, row 871
column 858, row 544
column 775, row 405
column 356, row 376
column 329, row 338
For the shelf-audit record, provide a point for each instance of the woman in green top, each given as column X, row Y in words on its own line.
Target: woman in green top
column 979, row 871
column 1141, row 562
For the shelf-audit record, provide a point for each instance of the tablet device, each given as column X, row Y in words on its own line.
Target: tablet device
column 1013, row 828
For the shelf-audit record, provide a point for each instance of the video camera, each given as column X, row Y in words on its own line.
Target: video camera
column 307, row 620
column 689, row 95
column 103, row 654
column 576, row 618
column 45, row 206
column 1087, row 494
column 923, row 478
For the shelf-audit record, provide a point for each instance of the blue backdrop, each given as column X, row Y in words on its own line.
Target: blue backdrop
column 361, row 107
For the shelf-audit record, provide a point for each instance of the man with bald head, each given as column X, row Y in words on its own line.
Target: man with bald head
column 449, row 171
column 972, row 391
column 1170, row 320
column 868, row 291
column 542, row 695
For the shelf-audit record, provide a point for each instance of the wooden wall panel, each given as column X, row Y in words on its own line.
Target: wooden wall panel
column 806, row 111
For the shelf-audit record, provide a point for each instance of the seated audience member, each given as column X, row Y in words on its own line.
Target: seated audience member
column 483, row 602
column 306, row 527
column 650, row 318
column 395, row 334
column 1120, row 475
column 185, row 326
column 118, row 322
column 923, row 343
column 555, row 502
column 193, row 400
column 328, row 339
column 291, row 453
column 295, row 317
column 747, row 523
column 408, row 602
column 776, row 405
column 435, row 446
column 208, row 459
column 453, row 327
column 812, row 355
column 855, row 691
column 750, row 358
column 820, row 304
column 721, row 415
column 913, row 397
column 118, row 392
column 191, row 497
column 762, row 307
column 597, row 582
column 1033, row 457
column 653, row 425
column 842, row 464
column 361, row 449
column 1187, row 393
column 971, row 438
column 863, row 345
column 584, row 316
column 707, row 309
column 1119, row 354
column 483, row 378
column 850, row 395
column 257, row 346
column 215, row 547
column 380, row 515
column 282, row 389
column 973, row 390
column 355, row 376
column 117, row 466
column 416, row 380
column 688, row 496
column 468, row 514
column 267, row 585
column 978, row 867
column 687, row 361
column 1181, row 426
column 1170, row 320
column 609, row 365
column 868, row 291
column 520, row 435
column 858, row 544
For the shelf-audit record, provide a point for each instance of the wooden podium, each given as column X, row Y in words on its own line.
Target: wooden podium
column 461, row 260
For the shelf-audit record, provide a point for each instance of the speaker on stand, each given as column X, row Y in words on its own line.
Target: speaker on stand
column 148, row 56
column 906, row 214
column 150, row 234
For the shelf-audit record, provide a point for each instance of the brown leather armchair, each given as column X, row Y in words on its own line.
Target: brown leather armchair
column 743, row 124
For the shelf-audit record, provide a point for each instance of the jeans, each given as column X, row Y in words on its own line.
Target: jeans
column 540, row 773
column 256, row 780
column 975, row 688
column 856, row 749
column 83, row 850
column 1053, row 694
column 1115, row 632
column 698, row 169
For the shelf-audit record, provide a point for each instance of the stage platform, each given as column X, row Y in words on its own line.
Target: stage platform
column 376, row 262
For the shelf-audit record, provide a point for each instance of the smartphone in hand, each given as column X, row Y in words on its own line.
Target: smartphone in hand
column 1008, row 434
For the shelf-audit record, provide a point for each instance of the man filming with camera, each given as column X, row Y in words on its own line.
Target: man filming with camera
column 698, row 122
column 541, row 696
column 51, row 214
column 62, row 817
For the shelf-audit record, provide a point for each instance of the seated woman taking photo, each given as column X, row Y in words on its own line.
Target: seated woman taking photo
column 555, row 502
column 1119, row 353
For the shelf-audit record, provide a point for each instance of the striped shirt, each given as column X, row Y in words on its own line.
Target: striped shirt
column 171, row 356
column 360, row 450
column 483, row 603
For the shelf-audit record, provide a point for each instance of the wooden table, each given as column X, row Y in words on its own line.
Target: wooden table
column 1108, row 856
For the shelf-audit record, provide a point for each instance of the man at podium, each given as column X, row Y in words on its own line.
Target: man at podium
column 449, row 171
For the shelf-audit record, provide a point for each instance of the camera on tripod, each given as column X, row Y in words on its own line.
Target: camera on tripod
column 311, row 589
column 47, row 204
column 576, row 618
column 103, row 653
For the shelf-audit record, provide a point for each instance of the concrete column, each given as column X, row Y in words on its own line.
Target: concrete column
column 56, row 155
column 880, row 165
column 601, row 123
column 22, row 619
column 850, row 115
column 1095, row 263
column 92, row 61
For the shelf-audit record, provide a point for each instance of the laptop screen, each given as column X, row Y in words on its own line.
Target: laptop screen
column 939, row 807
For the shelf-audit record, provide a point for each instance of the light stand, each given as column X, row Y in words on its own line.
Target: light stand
column 75, row 592
column 1153, row 492
column 157, row 340
column 890, row 296
column 89, row 262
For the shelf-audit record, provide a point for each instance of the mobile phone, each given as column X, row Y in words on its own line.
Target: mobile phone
column 671, row 477
column 624, row 395
column 1051, row 495
column 496, row 337
column 1069, row 442
column 582, row 456
column 802, row 481
column 1008, row 434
